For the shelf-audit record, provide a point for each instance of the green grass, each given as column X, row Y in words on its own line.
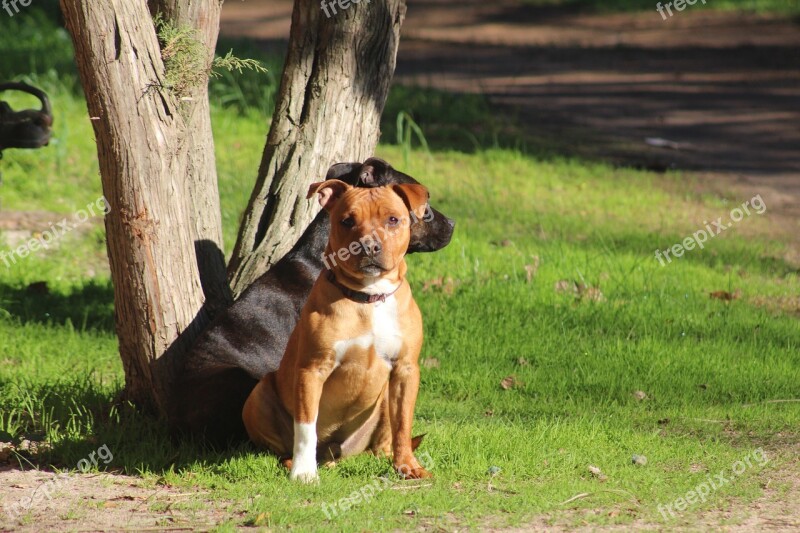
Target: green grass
column 707, row 367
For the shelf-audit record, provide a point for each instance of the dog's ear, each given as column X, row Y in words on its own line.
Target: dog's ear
column 374, row 172
column 342, row 171
column 415, row 197
column 329, row 192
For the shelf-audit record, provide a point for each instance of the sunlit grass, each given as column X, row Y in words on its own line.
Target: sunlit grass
column 498, row 302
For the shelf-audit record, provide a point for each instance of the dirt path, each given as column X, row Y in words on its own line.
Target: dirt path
column 33, row 501
column 724, row 86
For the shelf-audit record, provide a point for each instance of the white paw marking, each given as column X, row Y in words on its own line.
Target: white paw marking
column 304, row 460
column 304, row 476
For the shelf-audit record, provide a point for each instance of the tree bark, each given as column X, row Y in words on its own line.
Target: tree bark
column 156, row 163
column 198, row 141
column 335, row 81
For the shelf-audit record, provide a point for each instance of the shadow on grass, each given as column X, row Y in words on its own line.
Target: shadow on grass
column 87, row 307
column 731, row 255
column 80, row 415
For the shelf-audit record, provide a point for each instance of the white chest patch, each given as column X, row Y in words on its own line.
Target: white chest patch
column 385, row 335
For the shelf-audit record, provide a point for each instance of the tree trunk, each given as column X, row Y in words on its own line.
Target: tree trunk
column 335, row 81
column 198, row 142
column 156, row 164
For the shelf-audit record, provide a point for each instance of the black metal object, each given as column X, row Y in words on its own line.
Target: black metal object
column 27, row 128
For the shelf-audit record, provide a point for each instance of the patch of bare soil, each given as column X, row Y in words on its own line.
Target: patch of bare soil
column 32, row 500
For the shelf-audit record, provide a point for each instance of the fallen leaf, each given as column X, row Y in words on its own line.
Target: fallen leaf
column 581, row 290
column 591, row 293
column 488, row 412
column 126, row 498
column 449, row 286
column 725, row 295
column 640, row 395
column 435, row 282
column 509, row 382
column 522, row 361
column 530, row 270
column 639, row 460
column 566, row 285
column 596, row 472
column 431, row 362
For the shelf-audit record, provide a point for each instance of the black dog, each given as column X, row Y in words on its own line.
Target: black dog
column 27, row 128
column 247, row 340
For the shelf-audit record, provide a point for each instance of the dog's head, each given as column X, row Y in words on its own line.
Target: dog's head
column 430, row 232
column 370, row 227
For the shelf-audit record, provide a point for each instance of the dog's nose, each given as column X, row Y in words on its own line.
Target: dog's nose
column 373, row 248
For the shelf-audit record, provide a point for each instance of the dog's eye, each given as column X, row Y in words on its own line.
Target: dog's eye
column 349, row 222
column 393, row 221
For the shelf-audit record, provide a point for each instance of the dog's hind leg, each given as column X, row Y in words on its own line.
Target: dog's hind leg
column 268, row 424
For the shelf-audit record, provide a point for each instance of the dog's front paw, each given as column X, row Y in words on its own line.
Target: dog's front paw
column 304, row 471
column 305, row 477
column 412, row 470
column 415, row 473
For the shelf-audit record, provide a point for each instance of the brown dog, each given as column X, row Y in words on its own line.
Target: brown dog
column 349, row 378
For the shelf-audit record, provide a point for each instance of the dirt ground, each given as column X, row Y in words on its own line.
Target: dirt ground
column 115, row 502
column 722, row 87
column 100, row 502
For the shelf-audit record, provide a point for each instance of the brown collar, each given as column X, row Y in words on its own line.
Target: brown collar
column 357, row 296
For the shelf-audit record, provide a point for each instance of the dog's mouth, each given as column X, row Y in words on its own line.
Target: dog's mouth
column 370, row 267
